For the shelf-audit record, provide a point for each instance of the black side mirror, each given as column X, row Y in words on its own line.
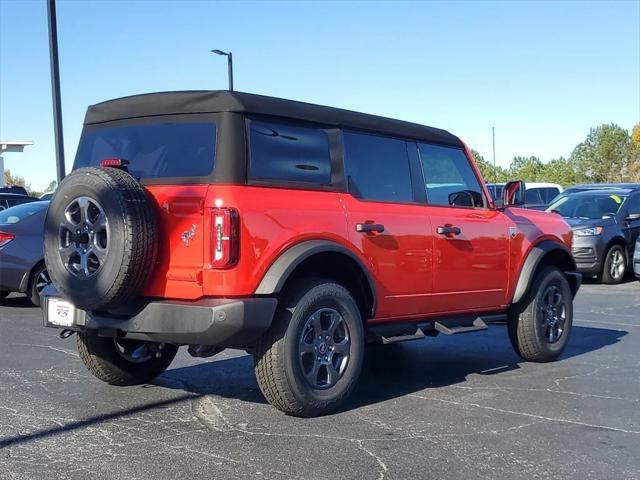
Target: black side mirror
column 632, row 217
column 466, row 198
column 513, row 194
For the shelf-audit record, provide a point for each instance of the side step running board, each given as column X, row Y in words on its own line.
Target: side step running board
column 477, row 325
column 401, row 332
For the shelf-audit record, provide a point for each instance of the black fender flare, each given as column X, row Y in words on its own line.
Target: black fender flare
column 282, row 268
column 535, row 256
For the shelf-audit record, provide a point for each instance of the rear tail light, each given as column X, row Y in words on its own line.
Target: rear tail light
column 5, row 238
column 225, row 224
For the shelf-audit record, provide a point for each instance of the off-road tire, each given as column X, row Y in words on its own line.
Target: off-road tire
column 102, row 359
column 605, row 276
column 277, row 368
column 133, row 237
column 525, row 318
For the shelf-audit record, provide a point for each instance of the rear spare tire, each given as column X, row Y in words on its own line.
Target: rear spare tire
column 100, row 240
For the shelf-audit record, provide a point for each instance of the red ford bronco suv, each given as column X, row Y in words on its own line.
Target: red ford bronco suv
column 294, row 231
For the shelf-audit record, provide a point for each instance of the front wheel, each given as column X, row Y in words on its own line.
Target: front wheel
column 309, row 360
column 122, row 362
column 615, row 266
column 540, row 325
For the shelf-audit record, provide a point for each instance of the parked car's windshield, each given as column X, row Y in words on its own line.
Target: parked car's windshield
column 153, row 150
column 590, row 207
column 20, row 212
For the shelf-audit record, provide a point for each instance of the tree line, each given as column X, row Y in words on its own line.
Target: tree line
column 608, row 154
column 21, row 182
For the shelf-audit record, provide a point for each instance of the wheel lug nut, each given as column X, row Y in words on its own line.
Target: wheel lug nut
column 319, row 359
column 158, row 354
column 326, row 358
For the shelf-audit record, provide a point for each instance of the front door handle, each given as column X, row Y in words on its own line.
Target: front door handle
column 369, row 227
column 448, row 230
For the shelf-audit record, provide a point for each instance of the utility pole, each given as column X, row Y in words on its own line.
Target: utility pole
column 493, row 136
column 55, row 88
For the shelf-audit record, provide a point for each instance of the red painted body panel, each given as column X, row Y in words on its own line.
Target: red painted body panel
column 416, row 271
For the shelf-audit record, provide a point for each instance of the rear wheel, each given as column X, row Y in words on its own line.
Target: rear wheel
column 100, row 240
column 122, row 362
column 615, row 265
column 39, row 280
column 540, row 325
column 309, row 360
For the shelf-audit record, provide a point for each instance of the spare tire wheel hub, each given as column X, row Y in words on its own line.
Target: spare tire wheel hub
column 84, row 237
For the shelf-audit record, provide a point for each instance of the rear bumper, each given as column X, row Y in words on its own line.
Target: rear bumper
column 219, row 322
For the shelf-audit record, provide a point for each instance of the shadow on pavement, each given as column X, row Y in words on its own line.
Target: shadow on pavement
column 70, row 427
column 389, row 372
column 17, row 302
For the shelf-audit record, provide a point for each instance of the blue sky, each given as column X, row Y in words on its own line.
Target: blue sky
column 542, row 72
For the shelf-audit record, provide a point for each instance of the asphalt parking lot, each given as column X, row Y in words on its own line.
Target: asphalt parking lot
column 450, row 407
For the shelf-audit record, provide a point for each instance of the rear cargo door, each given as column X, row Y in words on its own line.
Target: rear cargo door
column 173, row 157
column 181, row 241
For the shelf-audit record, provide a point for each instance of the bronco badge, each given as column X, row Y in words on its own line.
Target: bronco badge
column 189, row 235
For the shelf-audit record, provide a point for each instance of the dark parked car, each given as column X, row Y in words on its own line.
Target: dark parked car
column 22, row 266
column 597, row 186
column 14, row 189
column 8, row 200
column 606, row 224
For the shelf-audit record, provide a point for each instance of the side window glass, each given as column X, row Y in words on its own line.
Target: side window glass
column 634, row 204
column 377, row 168
column 279, row 151
column 449, row 177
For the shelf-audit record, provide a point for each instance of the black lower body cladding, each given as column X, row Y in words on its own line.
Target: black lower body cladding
column 100, row 239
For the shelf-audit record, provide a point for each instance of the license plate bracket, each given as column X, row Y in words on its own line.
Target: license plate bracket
column 60, row 313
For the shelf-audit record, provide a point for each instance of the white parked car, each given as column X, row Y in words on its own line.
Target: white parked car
column 537, row 194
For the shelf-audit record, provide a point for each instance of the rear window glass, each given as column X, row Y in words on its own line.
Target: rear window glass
column 158, row 150
column 279, row 151
column 540, row 195
column 532, row 196
column 20, row 212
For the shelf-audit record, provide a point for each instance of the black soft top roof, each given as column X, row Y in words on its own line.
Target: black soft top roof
column 172, row 103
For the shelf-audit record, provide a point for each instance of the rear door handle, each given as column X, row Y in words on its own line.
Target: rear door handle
column 448, row 230
column 369, row 227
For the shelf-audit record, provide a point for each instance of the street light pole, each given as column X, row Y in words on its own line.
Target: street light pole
column 493, row 136
column 230, row 70
column 229, row 56
column 55, row 88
